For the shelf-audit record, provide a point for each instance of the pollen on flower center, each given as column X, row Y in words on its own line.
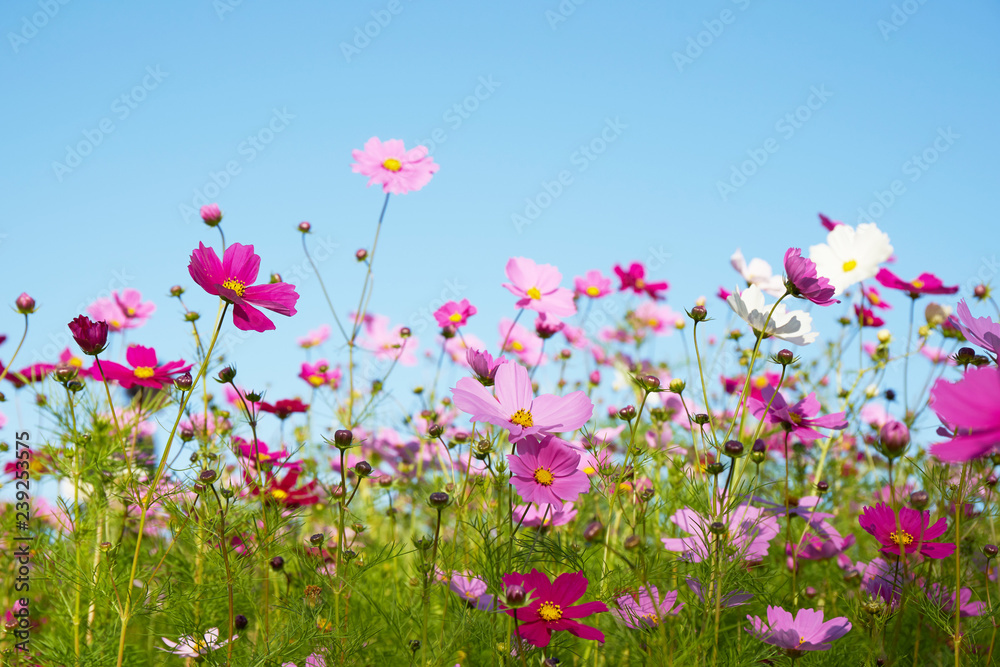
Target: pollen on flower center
column 236, row 285
column 849, row 265
column 544, row 476
column 392, row 164
column 901, row 538
column 593, row 291
column 143, row 372
column 549, row 611
column 516, row 346
column 279, row 494
column 917, row 284
column 522, row 418
column 455, row 317
column 316, row 381
column 802, row 640
column 640, row 283
column 653, row 619
column 534, row 293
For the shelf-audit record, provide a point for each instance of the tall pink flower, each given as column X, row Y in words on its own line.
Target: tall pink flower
column 537, row 287
column 455, row 313
column 145, row 371
column 635, row 279
column 644, row 609
column 314, row 338
column 393, row 167
column 749, row 532
column 107, row 310
column 515, row 408
column 982, row 331
column 520, row 341
column 389, row 344
column 874, row 298
column 969, row 409
column 232, row 280
column 320, row 374
column 131, row 304
column 552, row 608
column 801, row 279
column 592, row 284
column 800, row 419
column 805, row 632
column 546, row 471
column 908, row 532
column 925, row 283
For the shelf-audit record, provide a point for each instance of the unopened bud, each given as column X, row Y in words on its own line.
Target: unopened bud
column 304, row 227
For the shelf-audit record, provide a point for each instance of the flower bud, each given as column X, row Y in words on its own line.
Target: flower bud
column 439, row 500
column 317, row 539
column 184, row 381
column 208, row 476
column 593, row 531
column 631, row 542
column 733, row 449
column 890, row 395
column 240, row 621
column 785, row 357
column 698, row 313
column 342, row 438
column 964, row 356
column 651, row 382
column 627, row 413
column 435, row 430
column 211, row 214
column 595, row 377
column 74, row 386
column 227, row 374
column 715, row 468
column 515, row 596
column 361, row 255
column 990, row 550
column 277, row 563
column 981, row 291
column 822, row 486
column 414, row 645
column 363, row 468
column 919, row 500
column 304, row 227
column 677, row 385
column 25, row 304
column 176, row 290
column 448, row 331
column 275, row 278
column 717, row 528
column 894, row 437
column 701, row 419
column 405, row 332
column 191, row 316
column 758, row 453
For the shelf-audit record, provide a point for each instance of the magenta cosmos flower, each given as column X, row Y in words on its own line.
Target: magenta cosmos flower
column 537, row 287
column 592, row 284
column 867, row 317
column 635, row 279
column 828, row 222
column 969, row 409
column 232, row 280
column 925, row 283
column 801, row 279
column 92, row 337
column 320, row 374
column 800, row 418
column 805, row 632
column 982, row 331
column 644, row 608
column 910, row 531
column 547, row 471
column 515, row 408
column 393, row 167
column 454, row 313
column 145, row 371
column 552, row 608
column 749, row 532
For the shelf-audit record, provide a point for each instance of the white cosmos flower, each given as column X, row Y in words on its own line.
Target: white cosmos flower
column 792, row 326
column 758, row 272
column 190, row 647
column 851, row 255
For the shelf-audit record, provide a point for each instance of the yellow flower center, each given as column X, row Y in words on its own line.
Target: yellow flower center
column 917, row 284
column 652, row 322
column 143, row 372
column 544, row 477
column 874, row 299
column 237, row 286
column 316, row 381
column 455, row 317
column 115, row 324
column 130, row 312
column 640, row 283
column 522, row 418
column 589, row 470
column 549, row 611
column 516, row 346
column 471, row 595
column 267, row 457
column 392, row 164
column 760, row 382
column 534, row 293
column 802, row 640
column 901, row 538
column 278, row 494
column 593, row 291
column 652, row 619
column 849, row 265
column 199, row 645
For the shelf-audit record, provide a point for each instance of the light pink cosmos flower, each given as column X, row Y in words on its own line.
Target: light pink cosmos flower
column 937, row 355
column 457, row 348
column 232, row 280
column 660, row 318
column 644, row 608
column 545, row 471
column 592, row 284
column 316, row 337
column 749, row 533
column 109, row 311
column 313, row 660
column 455, row 313
column 805, row 632
column 472, row 591
column 800, row 418
column 131, row 304
column 389, row 343
column 190, row 646
column 515, row 407
column 537, row 287
column 393, row 167
column 547, row 515
column 968, row 408
column 982, row 331
column 525, row 344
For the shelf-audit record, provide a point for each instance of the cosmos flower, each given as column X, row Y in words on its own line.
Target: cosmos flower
column 968, row 408
column 644, row 608
column 145, row 371
column 925, row 283
column 211, row 214
column 190, row 646
column 592, row 284
column 552, row 608
column 320, row 374
column 635, row 279
column 730, row 599
column 232, row 280
column 805, row 632
column 393, row 167
column 284, row 408
column 910, row 531
column 517, row 340
column 515, row 408
column 945, row 600
column 92, row 337
column 534, row 515
column 455, row 313
column 792, row 326
column 472, row 591
column 546, row 471
column 130, row 302
column 316, row 337
column 799, row 419
column 851, row 255
column 874, row 298
column 828, row 222
column 537, row 287
column 659, row 318
column 389, row 344
column 982, row 331
column 283, row 491
column 867, row 317
column 748, row 531
column 801, row 279
column 757, row 272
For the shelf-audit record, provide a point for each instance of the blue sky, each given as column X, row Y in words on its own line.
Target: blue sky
column 165, row 97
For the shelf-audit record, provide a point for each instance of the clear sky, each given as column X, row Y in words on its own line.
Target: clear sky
column 121, row 116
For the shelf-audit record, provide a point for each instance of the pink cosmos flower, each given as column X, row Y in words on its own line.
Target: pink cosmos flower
column 145, row 371
column 132, row 306
column 749, row 533
column 534, row 516
column 457, row 348
column 592, row 284
column 107, row 310
column 283, row 408
column 546, row 327
column 232, row 280
column 800, row 418
column 389, row 344
column 925, row 283
column 910, row 531
column 730, row 599
column 867, row 317
column 545, row 471
column 472, row 591
column 537, row 287
column 393, row 167
column 828, row 222
column 982, row 331
column 801, row 279
column 268, row 457
column 969, row 409
column 937, row 355
column 805, row 632
column 552, row 608
column 515, row 408
column 316, row 337
column 659, row 318
column 635, row 279
column 875, row 299
column 284, row 491
column 321, row 374
column 723, row 293
column 520, row 341
column 644, row 608
column 455, row 314
column 945, row 600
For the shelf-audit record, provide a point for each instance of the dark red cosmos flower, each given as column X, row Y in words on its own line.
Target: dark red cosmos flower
column 92, row 337
column 925, row 283
column 283, row 408
column 145, row 371
column 283, row 491
column 635, row 279
column 552, row 607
